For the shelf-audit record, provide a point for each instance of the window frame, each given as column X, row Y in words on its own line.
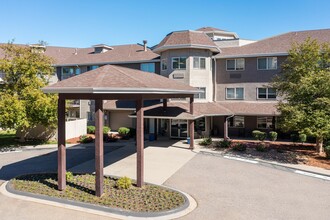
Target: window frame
column 235, row 59
column 163, row 63
column 235, row 90
column 199, row 94
column 267, row 94
column 185, row 59
column 233, row 125
column 199, row 63
column 266, row 63
column 149, row 63
column 267, row 121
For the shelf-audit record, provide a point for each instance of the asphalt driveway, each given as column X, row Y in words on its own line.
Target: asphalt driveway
column 227, row 189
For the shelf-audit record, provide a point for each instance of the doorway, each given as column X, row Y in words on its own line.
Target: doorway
column 179, row 128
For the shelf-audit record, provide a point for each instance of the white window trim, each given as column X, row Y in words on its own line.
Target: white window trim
column 199, row 63
column 200, row 88
column 266, row 63
column 267, row 93
column 235, row 93
column 161, row 64
column 179, row 64
column 235, row 64
column 234, row 122
column 266, row 122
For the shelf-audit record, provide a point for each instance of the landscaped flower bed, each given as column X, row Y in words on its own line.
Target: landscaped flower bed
column 81, row 187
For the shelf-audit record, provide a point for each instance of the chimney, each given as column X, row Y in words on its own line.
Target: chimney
column 145, row 45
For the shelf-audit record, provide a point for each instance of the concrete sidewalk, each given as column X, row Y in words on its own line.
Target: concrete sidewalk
column 162, row 160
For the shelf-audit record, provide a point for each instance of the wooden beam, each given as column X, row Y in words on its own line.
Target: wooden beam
column 191, row 123
column 139, row 143
column 99, row 157
column 61, row 154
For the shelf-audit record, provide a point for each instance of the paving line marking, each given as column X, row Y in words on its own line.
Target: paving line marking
column 312, row 175
column 240, row 159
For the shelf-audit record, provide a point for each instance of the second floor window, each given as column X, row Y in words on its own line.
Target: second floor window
column 236, row 122
column 266, row 93
column 92, row 67
column 267, row 63
column 235, row 64
column 164, row 64
column 68, row 72
column 179, row 62
column 201, row 95
column 234, row 93
column 199, row 62
column 148, row 67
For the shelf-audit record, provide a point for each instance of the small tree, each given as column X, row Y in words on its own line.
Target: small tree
column 23, row 104
column 305, row 84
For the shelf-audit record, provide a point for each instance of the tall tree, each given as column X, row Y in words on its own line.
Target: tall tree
column 305, row 84
column 22, row 103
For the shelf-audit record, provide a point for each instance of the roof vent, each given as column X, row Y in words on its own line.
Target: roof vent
column 145, row 45
column 101, row 48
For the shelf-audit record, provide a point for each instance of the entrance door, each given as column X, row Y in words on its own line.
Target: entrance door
column 179, row 129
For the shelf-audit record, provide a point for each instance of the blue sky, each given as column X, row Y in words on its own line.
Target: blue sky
column 85, row 22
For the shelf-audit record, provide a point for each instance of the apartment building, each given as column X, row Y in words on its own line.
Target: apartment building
column 232, row 74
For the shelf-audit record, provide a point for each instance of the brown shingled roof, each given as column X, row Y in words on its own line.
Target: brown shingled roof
column 186, row 39
column 120, row 53
column 275, row 45
column 208, row 29
column 116, row 79
column 250, row 108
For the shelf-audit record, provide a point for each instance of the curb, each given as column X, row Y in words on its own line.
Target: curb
column 313, row 174
column 188, row 207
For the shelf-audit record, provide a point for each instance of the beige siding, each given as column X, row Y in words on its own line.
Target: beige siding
column 120, row 119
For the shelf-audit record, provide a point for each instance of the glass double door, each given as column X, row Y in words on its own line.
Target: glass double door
column 179, row 128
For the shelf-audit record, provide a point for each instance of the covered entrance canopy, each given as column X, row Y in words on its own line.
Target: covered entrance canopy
column 114, row 83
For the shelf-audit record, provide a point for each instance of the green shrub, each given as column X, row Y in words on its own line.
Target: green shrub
column 302, row 138
column 261, row 147
column 69, row 176
column 90, row 129
column 239, row 147
column 85, row 139
column 259, row 135
column 123, row 131
column 327, row 151
column 273, row 136
column 223, row 144
column 255, row 134
column 124, row 183
column 106, row 130
column 206, row 141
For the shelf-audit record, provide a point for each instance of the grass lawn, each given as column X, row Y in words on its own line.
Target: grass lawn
column 9, row 142
column 81, row 187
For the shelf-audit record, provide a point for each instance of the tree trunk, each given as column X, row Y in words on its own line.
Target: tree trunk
column 319, row 145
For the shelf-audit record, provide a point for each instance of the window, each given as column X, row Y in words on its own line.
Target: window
column 179, row 63
column 234, row 93
column 148, row 67
column 199, row 62
column 236, row 122
column 92, row 67
column 267, row 63
column 90, row 116
column 266, row 93
column 164, row 64
column 265, row 122
column 235, row 64
column 200, row 125
column 68, row 72
column 201, row 95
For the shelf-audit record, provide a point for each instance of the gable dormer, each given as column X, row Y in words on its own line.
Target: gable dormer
column 101, row 48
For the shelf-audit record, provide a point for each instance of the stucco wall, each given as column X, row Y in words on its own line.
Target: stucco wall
column 119, row 119
column 250, row 78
